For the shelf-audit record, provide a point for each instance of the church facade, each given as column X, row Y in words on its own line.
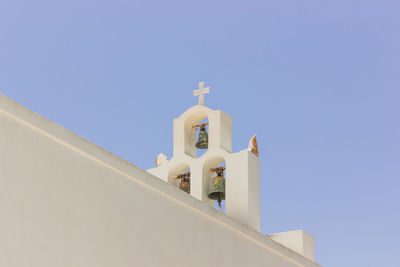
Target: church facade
column 67, row 202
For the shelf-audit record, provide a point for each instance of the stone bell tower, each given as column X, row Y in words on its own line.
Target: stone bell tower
column 242, row 179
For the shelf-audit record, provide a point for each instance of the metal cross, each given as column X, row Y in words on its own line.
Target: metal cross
column 201, row 92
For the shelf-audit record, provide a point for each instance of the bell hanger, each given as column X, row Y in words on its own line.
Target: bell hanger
column 200, row 125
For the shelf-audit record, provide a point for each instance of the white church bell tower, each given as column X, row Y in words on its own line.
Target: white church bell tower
column 196, row 173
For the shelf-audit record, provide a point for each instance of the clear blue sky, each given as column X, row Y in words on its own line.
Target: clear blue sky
column 317, row 81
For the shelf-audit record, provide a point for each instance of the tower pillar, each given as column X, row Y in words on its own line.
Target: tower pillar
column 243, row 188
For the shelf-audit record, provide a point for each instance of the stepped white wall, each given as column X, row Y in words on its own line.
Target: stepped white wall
column 66, row 202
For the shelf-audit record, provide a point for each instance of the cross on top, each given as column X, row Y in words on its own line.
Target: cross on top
column 201, row 92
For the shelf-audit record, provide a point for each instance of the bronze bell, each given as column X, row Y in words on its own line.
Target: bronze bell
column 202, row 141
column 184, row 185
column 218, row 186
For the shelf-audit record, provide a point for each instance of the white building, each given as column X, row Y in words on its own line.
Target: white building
column 66, row 202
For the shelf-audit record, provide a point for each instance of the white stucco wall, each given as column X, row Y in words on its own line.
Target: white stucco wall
column 66, row 202
column 299, row 241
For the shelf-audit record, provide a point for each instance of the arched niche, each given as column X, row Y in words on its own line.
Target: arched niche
column 190, row 133
column 211, row 163
column 176, row 170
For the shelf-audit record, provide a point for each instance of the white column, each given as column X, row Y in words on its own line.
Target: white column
column 243, row 188
column 196, row 181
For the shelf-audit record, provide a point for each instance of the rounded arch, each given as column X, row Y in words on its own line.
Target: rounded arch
column 207, row 176
column 182, row 182
column 176, row 170
column 193, row 118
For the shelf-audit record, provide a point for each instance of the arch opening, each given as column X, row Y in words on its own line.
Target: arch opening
column 179, row 176
column 212, row 182
column 202, row 134
column 193, row 127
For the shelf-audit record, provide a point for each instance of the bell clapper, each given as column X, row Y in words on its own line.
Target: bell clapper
column 219, row 203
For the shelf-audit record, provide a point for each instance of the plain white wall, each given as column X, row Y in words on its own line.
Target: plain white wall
column 67, row 202
column 298, row 240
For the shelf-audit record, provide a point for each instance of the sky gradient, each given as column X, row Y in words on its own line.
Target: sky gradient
column 317, row 81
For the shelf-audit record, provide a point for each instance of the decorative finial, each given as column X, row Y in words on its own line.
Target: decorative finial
column 201, row 93
column 253, row 147
column 161, row 160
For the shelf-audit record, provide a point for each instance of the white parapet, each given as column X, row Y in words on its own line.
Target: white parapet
column 298, row 241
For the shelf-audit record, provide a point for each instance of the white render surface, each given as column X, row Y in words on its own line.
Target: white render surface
column 299, row 241
column 66, row 202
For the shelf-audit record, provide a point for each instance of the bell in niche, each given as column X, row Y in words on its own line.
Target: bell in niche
column 184, row 184
column 202, row 140
column 218, row 186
